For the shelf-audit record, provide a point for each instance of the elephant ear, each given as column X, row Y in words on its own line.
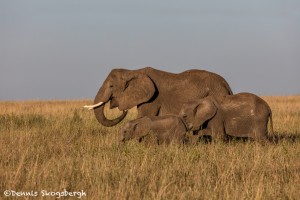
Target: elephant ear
column 141, row 127
column 204, row 111
column 137, row 89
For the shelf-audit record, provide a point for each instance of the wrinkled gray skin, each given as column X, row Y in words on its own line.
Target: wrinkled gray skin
column 166, row 129
column 155, row 92
column 241, row 115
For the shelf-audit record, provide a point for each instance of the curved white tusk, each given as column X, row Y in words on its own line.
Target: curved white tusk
column 91, row 107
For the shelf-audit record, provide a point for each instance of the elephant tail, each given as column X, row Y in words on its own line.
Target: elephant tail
column 271, row 123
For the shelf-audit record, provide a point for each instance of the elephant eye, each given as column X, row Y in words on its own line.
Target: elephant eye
column 195, row 109
column 184, row 117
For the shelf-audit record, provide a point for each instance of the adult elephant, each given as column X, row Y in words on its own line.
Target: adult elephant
column 154, row 92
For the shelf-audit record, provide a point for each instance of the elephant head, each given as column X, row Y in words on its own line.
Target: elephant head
column 135, row 129
column 124, row 89
column 196, row 113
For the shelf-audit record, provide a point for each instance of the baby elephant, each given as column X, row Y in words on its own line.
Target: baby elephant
column 166, row 128
column 241, row 115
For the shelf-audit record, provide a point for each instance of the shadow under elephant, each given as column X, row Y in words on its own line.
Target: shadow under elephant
column 277, row 138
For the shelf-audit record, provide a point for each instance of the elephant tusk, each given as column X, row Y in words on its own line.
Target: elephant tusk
column 91, row 107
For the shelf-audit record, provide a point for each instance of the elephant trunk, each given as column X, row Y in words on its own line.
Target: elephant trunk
column 99, row 113
column 99, row 110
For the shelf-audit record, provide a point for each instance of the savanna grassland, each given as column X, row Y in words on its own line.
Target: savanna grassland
column 57, row 146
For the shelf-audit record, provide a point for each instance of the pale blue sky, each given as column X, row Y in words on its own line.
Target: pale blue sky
column 64, row 49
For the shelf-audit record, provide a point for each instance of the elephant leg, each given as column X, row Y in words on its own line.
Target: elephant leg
column 261, row 138
column 260, row 130
column 168, row 141
column 192, row 137
column 201, row 135
column 260, row 135
column 179, row 139
column 149, row 140
column 170, row 136
column 218, row 134
column 206, row 131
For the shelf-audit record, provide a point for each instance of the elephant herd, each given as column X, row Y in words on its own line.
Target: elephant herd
column 169, row 105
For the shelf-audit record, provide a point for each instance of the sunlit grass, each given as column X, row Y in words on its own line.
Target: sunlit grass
column 57, row 145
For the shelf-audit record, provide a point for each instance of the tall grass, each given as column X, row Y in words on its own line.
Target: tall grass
column 56, row 145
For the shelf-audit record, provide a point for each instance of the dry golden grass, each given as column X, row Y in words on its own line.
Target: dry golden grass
column 56, row 145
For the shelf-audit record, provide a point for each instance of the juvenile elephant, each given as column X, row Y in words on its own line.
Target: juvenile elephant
column 166, row 128
column 242, row 115
column 154, row 92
